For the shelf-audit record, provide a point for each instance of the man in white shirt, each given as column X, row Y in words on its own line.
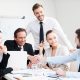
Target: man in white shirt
column 48, row 24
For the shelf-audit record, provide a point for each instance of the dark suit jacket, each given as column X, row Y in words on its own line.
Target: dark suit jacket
column 3, row 63
column 12, row 46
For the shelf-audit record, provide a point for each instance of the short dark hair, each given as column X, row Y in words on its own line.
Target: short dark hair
column 0, row 31
column 19, row 30
column 36, row 6
column 48, row 32
column 78, row 34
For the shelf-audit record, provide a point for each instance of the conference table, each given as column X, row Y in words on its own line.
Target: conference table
column 35, row 74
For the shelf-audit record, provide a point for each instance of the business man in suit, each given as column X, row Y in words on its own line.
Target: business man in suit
column 19, row 43
column 13, row 46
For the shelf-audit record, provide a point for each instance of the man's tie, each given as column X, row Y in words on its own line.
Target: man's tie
column 79, row 68
column 21, row 48
column 41, row 33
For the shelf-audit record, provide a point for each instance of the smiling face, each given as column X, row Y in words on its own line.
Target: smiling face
column 20, row 38
column 52, row 39
column 39, row 13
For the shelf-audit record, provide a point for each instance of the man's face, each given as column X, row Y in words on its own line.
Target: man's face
column 39, row 13
column 21, row 38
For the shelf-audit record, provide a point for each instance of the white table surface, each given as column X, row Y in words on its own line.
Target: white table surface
column 29, row 74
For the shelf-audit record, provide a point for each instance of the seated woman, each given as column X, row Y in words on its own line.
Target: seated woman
column 75, row 56
column 3, row 58
column 55, row 49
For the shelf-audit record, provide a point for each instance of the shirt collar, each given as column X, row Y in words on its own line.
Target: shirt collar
column 42, row 21
column 20, row 46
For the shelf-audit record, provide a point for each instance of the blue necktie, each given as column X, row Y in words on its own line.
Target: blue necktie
column 41, row 33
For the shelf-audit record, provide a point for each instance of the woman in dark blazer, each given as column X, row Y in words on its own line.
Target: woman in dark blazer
column 3, row 59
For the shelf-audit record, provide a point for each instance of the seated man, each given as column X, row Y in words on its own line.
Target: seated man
column 19, row 43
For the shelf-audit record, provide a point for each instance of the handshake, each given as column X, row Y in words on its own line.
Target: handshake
column 36, row 59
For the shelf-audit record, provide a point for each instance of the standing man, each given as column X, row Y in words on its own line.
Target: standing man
column 41, row 25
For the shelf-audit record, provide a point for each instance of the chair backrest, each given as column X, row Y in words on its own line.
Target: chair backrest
column 17, row 59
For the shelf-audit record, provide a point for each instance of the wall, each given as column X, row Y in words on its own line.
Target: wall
column 68, row 14
column 24, row 7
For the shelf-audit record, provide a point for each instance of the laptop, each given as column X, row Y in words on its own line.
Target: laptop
column 17, row 59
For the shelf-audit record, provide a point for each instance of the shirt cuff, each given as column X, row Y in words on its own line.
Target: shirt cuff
column 73, row 74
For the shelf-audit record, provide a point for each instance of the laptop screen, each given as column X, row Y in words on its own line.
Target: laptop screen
column 17, row 59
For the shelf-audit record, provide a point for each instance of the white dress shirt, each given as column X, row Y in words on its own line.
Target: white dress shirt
column 61, row 51
column 21, row 48
column 48, row 24
column 1, row 56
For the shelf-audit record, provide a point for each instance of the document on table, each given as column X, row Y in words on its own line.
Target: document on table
column 40, row 74
column 36, row 72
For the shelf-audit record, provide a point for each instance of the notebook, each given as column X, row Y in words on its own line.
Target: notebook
column 17, row 59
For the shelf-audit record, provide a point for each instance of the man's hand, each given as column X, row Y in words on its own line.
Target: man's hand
column 72, row 50
column 3, row 49
column 60, row 72
column 34, row 59
column 41, row 47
